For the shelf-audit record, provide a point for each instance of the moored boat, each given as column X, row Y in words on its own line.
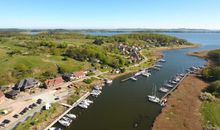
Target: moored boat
column 164, row 90
column 133, row 78
column 72, row 116
column 64, row 123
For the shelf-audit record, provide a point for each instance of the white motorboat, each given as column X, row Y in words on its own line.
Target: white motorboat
column 72, row 116
column 172, row 82
column 96, row 92
column 133, row 78
column 168, row 85
column 84, row 102
column 164, row 90
column 96, row 87
column 81, row 105
column 146, row 73
column 64, row 123
column 162, row 60
column 156, row 68
column 157, row 65
column 108, row 81
column 67, row 119
column 138, row 73
column 89, row 101
column 154, row 99
column 54, row 128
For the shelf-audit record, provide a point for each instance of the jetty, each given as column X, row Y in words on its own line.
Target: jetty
column 68, row 110
column 168, row 93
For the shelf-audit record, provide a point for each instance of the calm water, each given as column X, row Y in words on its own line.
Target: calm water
column 124, row 103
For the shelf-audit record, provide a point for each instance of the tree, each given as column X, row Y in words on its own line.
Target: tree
column 214, row 88
column 98, row 42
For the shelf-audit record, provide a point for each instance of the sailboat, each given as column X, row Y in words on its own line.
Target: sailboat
column 153, row 97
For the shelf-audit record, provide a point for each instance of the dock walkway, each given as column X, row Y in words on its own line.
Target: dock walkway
column 68, row 110
column 168, row 93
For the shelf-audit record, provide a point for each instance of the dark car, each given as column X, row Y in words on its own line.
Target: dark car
column 39, row 101
column 34, row 104
column 5, row 122
column 56, row 98
column 16, row 116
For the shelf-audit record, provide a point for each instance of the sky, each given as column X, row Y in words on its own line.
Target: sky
column 110, row 14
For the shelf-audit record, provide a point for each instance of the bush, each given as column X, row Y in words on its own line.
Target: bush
column 87, row 81
column 214, row 88
column 207, row 97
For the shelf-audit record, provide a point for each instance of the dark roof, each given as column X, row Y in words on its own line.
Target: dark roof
column 26, row 83
column 12, row 93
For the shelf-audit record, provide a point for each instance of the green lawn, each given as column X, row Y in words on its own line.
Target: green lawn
column 211, row 113
column 38, row 65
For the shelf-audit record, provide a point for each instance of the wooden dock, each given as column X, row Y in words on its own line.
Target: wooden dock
column 168, row 93
column 68, row 110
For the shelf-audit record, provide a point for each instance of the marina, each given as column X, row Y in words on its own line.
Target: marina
column 117, row 96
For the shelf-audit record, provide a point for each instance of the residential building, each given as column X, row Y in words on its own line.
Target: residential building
column 53, row 82
column 26, row 84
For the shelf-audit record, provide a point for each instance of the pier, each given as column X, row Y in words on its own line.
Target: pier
column 168, row 93
column 68, row 110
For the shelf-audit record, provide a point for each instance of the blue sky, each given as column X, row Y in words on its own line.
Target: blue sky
column 82, row 14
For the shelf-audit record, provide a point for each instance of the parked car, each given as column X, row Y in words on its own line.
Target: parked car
column 5, row 122
column 56, row 98
column 39, row 101
column 16, row 116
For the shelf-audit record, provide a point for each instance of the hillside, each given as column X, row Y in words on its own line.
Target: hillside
column 44, row 55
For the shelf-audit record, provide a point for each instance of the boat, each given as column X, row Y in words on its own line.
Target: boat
column 96, row 87
column 96, row 92
column 54, row 128
column 157, row 65
column 133, row 78
column 172, row 82
column 81, row 105
column 138, row 73
column 164, row 90
column 153, row 98
column 146, row 74
column 64, row 123
column 182, row 74
column 162, row 60
column 71, row 116
column 156, row 68
column 89, row 101
column 84, row 102
column 168, row 85
column 108, row 81
column 67, row 119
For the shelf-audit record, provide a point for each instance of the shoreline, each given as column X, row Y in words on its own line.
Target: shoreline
column 179, row 113
column 188, row 115
column 156, row 54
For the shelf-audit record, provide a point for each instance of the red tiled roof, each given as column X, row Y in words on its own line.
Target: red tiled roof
column 53, row 82
column 78, row 73
column 1, row 94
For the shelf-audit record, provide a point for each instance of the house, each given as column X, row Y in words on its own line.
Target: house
column 2, row 97
column 53, row 82
column 12, row 94
column 68, row 77
column 26, row 84
column 79, row 74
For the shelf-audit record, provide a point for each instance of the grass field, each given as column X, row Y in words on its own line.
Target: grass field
column 211, row 114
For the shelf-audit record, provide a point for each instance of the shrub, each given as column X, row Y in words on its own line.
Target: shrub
column 214, row 88
column 207, row 97
column 87, row 81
